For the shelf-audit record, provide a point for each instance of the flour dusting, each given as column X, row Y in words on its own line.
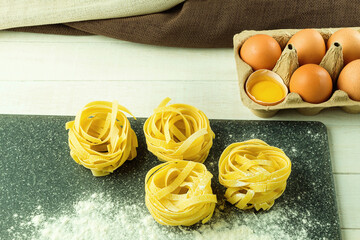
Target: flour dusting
column 97, row 216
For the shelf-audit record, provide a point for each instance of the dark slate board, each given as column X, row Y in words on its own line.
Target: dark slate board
column 36, row 169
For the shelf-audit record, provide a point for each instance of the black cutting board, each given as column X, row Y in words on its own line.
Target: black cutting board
column 37, row 170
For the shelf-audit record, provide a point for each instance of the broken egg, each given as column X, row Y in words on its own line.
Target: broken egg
column 266, row 88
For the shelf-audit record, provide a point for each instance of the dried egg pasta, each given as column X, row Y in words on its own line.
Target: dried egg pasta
column 179, row 193
column 101, row 138
column 254, row 174
column 178, row 132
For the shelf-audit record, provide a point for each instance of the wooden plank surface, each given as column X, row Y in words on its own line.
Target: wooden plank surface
column 57, row 75
column 104, row 59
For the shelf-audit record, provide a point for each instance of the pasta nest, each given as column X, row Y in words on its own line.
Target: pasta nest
column 254, row 174
column 101, row 138
column 179, row 193
column 178, row 132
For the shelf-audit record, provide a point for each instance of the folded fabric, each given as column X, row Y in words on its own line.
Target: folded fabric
column 20, row 13
column 212, row 23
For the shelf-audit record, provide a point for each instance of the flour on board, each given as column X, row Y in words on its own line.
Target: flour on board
column 97, row 216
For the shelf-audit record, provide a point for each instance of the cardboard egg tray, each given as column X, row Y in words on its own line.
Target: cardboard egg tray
column 293, row 100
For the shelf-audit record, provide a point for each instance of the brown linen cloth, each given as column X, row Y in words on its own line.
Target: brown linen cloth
column 212, row 23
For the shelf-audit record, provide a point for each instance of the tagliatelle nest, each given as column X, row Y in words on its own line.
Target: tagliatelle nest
column 179, row 193
column 101, row 138
column 254, row 174
column 178, row 132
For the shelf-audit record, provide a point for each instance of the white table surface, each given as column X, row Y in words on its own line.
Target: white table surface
column 58, row 75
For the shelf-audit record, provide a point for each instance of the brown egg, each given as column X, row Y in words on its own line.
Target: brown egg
column 260, row 51
column 310, row 46
column 312, row 82
column 350, row 41
column 349, row 80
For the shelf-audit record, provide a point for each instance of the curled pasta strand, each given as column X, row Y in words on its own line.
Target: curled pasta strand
column 179, row 193
column 178, row 132
column 254, row 174
column 101, row 138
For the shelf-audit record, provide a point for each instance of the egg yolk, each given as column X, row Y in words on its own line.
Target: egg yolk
column 267, row 89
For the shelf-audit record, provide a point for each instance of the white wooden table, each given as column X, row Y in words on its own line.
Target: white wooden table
column 57, row 75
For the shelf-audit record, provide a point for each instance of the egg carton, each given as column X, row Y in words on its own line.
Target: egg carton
column 339, row 98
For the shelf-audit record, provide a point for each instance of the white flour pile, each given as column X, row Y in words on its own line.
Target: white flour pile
column 99, row 217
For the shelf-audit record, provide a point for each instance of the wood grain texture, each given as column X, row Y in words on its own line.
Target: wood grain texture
column 57, row 75
column 108, row 60
column 350, row 233
column 348, row 194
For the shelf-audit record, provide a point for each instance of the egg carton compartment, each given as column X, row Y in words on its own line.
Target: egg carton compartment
column 339, row 98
